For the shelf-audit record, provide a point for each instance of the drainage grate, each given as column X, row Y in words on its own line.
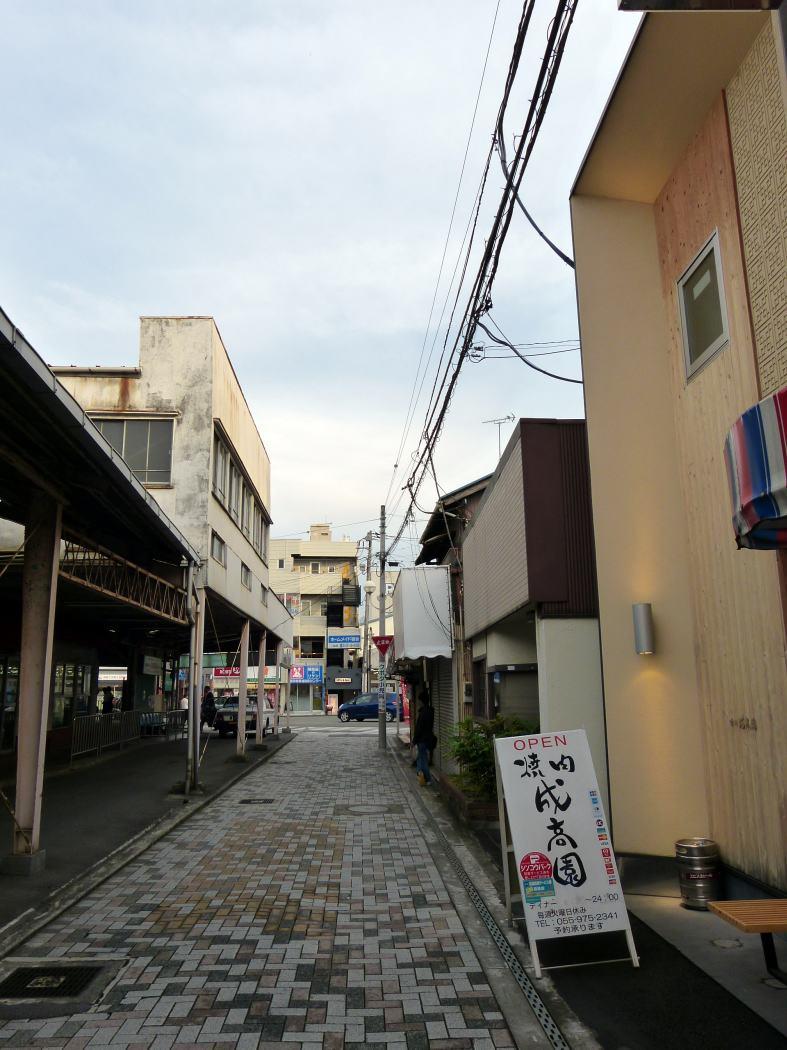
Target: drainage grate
column 537, row 1004
column 257, row 801
column 47, row 982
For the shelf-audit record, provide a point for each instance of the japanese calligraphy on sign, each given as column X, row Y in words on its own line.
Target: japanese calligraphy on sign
column 567, row 872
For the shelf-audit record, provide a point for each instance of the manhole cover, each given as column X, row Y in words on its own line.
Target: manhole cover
column 257, row 801
column 47, row 982
column 367, row 809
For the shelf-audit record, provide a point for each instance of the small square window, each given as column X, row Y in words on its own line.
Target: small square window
column 245, row 576
column 703, row 311
column 218, row 549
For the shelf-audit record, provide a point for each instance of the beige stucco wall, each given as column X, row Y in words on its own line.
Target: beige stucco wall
column 570, row 692
column 656, row 762
column 169, row 381
column 231, row 409
column 511, row 641
column 184, row 371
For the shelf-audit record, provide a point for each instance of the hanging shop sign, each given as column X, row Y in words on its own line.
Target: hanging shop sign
column 309, row 675
column 152, row 665
column 567, row 875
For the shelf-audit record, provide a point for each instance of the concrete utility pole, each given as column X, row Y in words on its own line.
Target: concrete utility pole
column 381, row 630
column 368, row 587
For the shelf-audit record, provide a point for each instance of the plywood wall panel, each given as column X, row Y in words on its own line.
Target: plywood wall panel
column 740, row 641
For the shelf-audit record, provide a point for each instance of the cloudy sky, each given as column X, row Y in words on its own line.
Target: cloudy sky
column 290, row 167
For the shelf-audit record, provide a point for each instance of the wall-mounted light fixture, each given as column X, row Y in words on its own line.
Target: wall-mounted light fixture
column 643, row 629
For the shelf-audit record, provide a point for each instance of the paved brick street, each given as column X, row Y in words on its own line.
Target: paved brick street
column 313, row 921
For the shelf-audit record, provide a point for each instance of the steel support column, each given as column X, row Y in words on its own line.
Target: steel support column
column 39, row 591
column 242, row 687
column 260, row 687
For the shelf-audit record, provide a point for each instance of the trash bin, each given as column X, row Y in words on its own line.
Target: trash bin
column 698, row 869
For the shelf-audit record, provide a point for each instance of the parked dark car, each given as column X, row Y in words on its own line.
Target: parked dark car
column 365, row 706
column 226, row 720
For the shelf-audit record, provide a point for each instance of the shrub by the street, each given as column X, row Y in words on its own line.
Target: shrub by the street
column 473, row 748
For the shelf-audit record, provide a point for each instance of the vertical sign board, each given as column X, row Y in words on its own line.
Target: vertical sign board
column 568, row 876
column 383, row 643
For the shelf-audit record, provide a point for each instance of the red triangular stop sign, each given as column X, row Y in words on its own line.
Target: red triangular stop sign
column 383, row 642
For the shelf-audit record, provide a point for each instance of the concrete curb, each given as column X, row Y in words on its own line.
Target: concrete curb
column 524, row 1026
column 26, row 925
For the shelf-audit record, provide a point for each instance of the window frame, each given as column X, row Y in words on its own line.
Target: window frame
column 314, row 568
column 214, row 536
column 245, row 576
column 711, row 246
column 99, row 418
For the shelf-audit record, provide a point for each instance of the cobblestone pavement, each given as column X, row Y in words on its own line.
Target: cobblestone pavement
column 314, row 921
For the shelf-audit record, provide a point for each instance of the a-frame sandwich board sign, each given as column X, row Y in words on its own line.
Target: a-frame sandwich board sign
column 566, row 872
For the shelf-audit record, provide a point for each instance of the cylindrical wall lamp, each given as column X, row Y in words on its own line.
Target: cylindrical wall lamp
column 644, row 643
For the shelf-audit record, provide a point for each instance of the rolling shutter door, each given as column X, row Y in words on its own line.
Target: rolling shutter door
column 445, row 719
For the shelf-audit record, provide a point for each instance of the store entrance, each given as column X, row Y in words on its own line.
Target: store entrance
column 9, row 692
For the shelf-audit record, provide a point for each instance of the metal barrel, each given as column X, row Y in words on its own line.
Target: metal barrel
column 698, row 869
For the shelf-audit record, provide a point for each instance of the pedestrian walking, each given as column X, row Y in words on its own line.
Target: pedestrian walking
column 208, row 712
column 107, row 700
column 424, row 738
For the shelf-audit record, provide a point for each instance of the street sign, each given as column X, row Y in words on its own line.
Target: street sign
column 567, row 876
column 383, row 642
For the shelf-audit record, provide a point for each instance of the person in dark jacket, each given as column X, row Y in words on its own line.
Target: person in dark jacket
column 208, row 712
column 423, row 738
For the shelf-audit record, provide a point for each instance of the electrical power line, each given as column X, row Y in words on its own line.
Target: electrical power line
column 480, row 300
column 415, row 396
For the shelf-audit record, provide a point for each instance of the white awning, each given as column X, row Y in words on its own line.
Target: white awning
column 423, row 621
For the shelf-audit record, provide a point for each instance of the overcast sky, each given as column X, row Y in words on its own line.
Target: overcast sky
column 290, row 168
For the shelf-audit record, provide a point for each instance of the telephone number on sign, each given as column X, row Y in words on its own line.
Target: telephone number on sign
column 602, row 916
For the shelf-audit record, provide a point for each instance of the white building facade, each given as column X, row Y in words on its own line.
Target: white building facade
column 316, row 579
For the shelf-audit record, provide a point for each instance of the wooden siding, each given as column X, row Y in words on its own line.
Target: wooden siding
column 740, row 644
column 758, row 129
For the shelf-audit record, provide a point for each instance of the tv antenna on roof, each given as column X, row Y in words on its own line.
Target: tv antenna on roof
column 499, row 423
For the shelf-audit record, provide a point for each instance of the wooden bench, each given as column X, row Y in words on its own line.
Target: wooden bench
column 765, row 917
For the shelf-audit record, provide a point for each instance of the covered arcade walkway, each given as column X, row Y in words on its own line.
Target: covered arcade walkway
column 92, row 569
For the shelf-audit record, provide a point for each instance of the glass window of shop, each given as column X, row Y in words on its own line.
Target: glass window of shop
column 9, row 692
column 70, row 693
column 300, row 697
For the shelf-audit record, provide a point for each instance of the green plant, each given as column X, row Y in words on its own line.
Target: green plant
column 472, row 745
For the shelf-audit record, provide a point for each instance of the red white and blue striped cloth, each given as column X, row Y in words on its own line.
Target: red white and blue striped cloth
column 756, row 455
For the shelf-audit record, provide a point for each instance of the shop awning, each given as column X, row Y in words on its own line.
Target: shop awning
column 756, row 455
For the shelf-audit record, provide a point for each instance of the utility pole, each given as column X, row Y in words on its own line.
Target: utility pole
column 367, row 639
column 381, row 631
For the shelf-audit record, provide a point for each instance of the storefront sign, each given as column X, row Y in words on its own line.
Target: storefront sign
column 306, row 674
column 152, row 665
column 343, row 640
column 226, row 672
column 567, row 872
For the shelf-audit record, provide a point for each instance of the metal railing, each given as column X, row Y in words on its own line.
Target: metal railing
column 100, row 732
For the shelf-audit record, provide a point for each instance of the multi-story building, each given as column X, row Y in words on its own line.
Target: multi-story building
column 181, row 422
column 680, row 241
column 316, row 579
